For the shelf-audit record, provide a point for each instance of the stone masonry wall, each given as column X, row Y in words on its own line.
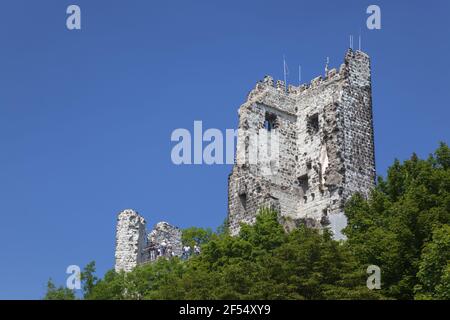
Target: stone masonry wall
column 135, row 246
column 130, row 240
column 170, row 236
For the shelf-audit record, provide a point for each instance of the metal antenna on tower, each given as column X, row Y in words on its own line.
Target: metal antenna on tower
column 326, row 65
column 359, row 45
column 285, row 71
column 351, row 41
column 299, row 75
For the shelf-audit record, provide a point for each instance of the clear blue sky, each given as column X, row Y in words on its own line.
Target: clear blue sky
column 86, row 116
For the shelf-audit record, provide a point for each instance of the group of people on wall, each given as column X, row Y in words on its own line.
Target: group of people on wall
column 166, row 250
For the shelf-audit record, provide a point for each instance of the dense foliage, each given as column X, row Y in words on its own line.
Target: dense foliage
column 58, row 293
column 403, row 228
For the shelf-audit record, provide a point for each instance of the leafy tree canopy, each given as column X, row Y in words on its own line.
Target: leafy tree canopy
column 58, row 293
column 402, row 227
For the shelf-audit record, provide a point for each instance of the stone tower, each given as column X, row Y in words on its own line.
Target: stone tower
column 131, row 240
column 324, row 143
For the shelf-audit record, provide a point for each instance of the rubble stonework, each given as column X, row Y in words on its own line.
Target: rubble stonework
column 170, row 236
column 326, row 148
column 135, row 246
column 130, row 240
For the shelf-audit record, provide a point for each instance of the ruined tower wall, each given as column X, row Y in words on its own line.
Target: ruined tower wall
column 358, row 125
column 325, row 148
column 130, row 240
column 251, row 185
column 319, row 134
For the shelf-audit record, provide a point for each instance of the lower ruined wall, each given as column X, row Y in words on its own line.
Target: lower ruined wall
column 165, row 238
column 135, row 246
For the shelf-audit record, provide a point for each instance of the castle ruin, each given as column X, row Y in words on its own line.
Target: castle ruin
column 326, row 154
column 326, row 148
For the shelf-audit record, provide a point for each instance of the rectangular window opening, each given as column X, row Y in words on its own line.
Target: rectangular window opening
column 270, row 121
column 303, row 182
column 312, row 124
column 243, row 199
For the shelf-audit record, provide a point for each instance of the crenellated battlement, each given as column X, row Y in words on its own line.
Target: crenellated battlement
column 267, row 88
